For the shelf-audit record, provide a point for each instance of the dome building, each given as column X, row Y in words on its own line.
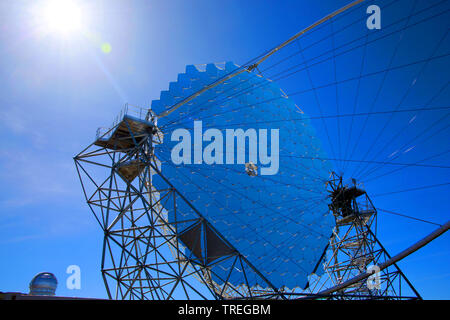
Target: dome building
column 43, row 284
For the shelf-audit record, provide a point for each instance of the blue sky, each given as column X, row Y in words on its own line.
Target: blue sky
column 56, row 90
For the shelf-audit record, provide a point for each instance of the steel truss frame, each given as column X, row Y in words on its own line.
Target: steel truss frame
column 355, row 249
column 144, row 254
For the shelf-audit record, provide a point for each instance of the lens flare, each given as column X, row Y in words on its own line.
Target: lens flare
column 106, row 47
column 59, row 16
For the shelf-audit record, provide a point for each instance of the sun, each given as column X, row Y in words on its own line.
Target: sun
column 62, row 17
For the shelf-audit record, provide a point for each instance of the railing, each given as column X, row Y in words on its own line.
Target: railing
column 101, row 133
column 128, row 109
column 135, row 111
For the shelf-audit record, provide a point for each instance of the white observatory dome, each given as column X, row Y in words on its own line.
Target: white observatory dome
column 43, row 284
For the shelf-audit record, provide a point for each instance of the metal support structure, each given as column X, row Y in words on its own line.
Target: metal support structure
column 354, row 250
column 150, row 250
column 392, row 261
column 154, row 249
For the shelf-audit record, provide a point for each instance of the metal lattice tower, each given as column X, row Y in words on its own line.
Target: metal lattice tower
column 137, row 259
column 144, row 254
column 354, row 249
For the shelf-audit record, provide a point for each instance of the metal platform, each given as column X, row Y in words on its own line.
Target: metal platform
column 128, row 132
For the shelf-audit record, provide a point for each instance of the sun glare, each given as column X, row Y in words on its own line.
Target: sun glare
column 59, row 16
